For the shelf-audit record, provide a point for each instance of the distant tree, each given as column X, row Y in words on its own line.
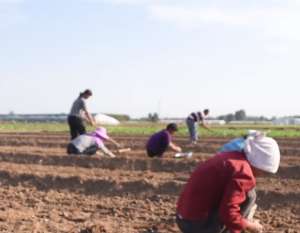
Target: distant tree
column 229, row 117
column 262, row 118
column 153, row 117
column 273, row 118
column 221, row 117
column 240, row 115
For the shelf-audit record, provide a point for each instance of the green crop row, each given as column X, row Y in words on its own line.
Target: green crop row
column 149, row 128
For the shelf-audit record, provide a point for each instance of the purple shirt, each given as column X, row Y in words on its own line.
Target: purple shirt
column 159, row 142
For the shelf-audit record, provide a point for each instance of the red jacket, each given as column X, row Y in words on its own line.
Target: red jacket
column 220, row 183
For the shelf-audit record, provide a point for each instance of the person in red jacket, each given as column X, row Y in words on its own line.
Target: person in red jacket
column 220, row 193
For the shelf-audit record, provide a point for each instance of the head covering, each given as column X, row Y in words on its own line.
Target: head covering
column 102, row 133
column 255, row 133
column 262, row 152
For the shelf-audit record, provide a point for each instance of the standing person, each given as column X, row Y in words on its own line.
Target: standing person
column 161, row 141
column 220, row 194
column 90, row 143
column 75, row 118
column 191, row 122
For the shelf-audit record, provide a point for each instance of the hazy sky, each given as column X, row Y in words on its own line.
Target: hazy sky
column 141, row 56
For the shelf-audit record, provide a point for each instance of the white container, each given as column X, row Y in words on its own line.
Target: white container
column 184, row 155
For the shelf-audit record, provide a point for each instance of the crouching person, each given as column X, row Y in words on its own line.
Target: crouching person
column 161, row 141
column 220, row 196
column 89, row 144
column 238, row 144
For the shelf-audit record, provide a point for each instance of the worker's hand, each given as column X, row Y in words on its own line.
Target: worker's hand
column 178, row 149
column 118, row 145
column 93, row 123
column 255, row 227
column 209, row 129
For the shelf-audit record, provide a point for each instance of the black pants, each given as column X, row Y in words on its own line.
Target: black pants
column 152, row 154
column 71, row 149
column 213, row 225
column 76, row 126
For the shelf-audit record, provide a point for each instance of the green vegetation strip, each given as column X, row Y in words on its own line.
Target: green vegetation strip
column 149, row 128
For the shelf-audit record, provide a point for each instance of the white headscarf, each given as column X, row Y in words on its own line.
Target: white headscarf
column 262, row 152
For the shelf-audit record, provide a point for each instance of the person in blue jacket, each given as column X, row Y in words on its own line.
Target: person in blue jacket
column 238, row 144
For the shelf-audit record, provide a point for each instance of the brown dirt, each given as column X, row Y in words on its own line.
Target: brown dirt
column 44, row 190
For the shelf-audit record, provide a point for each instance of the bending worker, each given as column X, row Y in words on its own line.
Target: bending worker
column 78, row 113
column 191, row 122
column 161, row 141
column 220, row 195
column 90, row 143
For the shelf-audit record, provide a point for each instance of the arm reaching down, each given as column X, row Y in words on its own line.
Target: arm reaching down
column 174, row 147
column 205, row 125
column 114, row 142
column 89, row 118
column 106, row 151
column 234, row 196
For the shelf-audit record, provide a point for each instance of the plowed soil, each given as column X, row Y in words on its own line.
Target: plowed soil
column 44, row 190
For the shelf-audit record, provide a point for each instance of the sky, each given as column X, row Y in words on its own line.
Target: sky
column 139, row 56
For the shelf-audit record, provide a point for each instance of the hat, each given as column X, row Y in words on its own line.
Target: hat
column 102, row 133
column 263, row 153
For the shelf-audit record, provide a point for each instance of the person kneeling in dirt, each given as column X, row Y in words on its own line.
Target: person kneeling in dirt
column 160, row 141
column 89, row 144
column 220, row 194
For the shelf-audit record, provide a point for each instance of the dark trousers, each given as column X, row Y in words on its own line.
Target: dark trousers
column 212, row 224
column 76, row 126
column 71, row 149
column 153, row 154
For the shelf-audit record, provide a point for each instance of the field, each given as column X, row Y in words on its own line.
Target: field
column 146, row 128
column 44, row 190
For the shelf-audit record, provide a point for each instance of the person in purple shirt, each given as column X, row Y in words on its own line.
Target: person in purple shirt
column 161, row 141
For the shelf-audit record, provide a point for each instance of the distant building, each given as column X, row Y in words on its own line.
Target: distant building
column 34, row 117
column 56, row 117
column 287, row 121
column 216, row 122
column 250, row 122
column 182, row 120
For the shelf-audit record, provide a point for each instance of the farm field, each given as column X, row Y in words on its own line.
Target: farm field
column 44, row 190
column 146, row 128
